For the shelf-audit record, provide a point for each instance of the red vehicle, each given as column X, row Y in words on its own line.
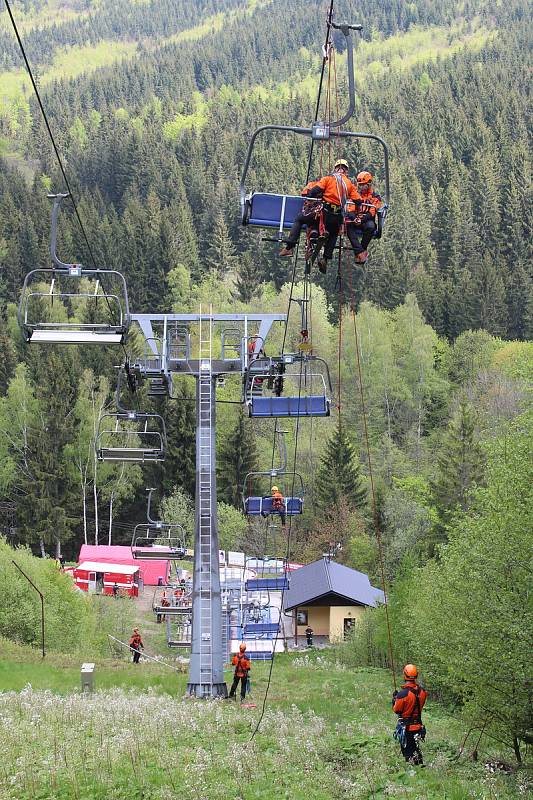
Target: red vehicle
column 100, row 578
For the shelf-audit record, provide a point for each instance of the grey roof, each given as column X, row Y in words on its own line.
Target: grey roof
column 324, row 577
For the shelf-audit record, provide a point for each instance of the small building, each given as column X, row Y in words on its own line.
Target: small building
column 153, row 573
column 329, row 598
column 100, row 578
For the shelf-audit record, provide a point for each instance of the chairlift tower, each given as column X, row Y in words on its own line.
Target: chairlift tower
column 169, row 351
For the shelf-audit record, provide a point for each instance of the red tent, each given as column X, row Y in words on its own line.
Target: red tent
column 151, row 571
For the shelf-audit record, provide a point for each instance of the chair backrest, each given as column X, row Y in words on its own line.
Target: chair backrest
column 268, row 210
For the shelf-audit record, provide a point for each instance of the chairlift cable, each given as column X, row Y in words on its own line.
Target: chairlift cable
column 54, row 145
column 375, row 515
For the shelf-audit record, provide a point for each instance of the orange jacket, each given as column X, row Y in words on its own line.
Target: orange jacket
column 242, row 665
column 371, row 201
column 311, row 185
column 335, row 189
column 278, row 501
column 136, row 642
column 406, row 706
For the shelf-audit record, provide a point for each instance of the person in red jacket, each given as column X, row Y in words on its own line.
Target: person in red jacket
column 242, row 668
column 408, row 704
column 334, row 189
column 136, row 645
column 360, row 217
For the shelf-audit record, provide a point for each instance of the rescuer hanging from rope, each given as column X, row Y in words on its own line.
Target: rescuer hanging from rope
column 408, row 704
column 334, row 189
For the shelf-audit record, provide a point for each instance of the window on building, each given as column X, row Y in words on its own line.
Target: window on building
column 301, row 617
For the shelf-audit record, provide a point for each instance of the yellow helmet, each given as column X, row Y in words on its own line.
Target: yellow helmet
column 341, row 162
column 275, row 489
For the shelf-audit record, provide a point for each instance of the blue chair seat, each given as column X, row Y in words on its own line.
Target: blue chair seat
column 310, row 406
column 268, row 210
column 257, row 505
column 258, row 655
column 260, row 627
column 275, row 584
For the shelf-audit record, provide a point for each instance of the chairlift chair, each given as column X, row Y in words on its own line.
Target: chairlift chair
column 290, row 484
column 158, row 542
column 267, row 581
column 50, row 298
column 131, row 436
column 297, row 393
column 275, row 210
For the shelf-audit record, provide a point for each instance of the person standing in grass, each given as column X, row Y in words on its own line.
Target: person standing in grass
column 136, row 645
column 408, row 704
column 242, row 668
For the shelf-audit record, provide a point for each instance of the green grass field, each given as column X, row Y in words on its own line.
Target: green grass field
column 326, row 734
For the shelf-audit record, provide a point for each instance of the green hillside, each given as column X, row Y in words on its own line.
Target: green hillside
column 152, row 104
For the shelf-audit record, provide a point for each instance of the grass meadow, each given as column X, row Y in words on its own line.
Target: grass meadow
column 326, row 733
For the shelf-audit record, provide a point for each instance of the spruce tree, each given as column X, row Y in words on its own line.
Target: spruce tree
column 339, row 474
column 238, row 457
column 459, row 465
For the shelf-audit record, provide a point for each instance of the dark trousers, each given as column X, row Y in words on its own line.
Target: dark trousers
column 365, row 231
column 244, row 681
column 410, row 750
column 136, row 655
column 294, row 233
column 333, row 224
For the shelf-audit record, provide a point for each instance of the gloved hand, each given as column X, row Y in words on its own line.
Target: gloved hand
column 357, row 219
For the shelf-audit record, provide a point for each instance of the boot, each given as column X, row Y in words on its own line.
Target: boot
column 287, row 251
column 360, row 258
column 323, row 264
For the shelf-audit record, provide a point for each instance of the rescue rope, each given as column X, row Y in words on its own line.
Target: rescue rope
column 375, row 515
column 145, row 655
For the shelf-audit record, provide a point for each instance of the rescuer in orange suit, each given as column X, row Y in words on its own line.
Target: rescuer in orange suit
column 242, row 668
column 334, row 189
column 360, row 217
column 408, row 704
column 278, row 504
column 136, row 645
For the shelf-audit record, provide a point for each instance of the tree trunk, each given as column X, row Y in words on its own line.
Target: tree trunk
column 95, row 495
column 58, row 549
column 41, row 545
column 110, row 518
column 84, row 490
column 516, row 748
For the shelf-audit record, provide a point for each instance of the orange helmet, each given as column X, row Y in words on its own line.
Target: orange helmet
column 410, row 671
column 364, row 177
column 242, row 647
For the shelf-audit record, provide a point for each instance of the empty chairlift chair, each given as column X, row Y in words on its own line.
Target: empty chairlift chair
column 299, row 393
column 158, row 541
column 74, row 305
column 70, row 304
column 131, row 436
column 268, row 577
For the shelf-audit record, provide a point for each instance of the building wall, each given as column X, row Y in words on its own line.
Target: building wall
column 317, row 619
column 337, row 615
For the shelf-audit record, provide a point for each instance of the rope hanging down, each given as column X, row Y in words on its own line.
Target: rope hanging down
column 375, row 515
